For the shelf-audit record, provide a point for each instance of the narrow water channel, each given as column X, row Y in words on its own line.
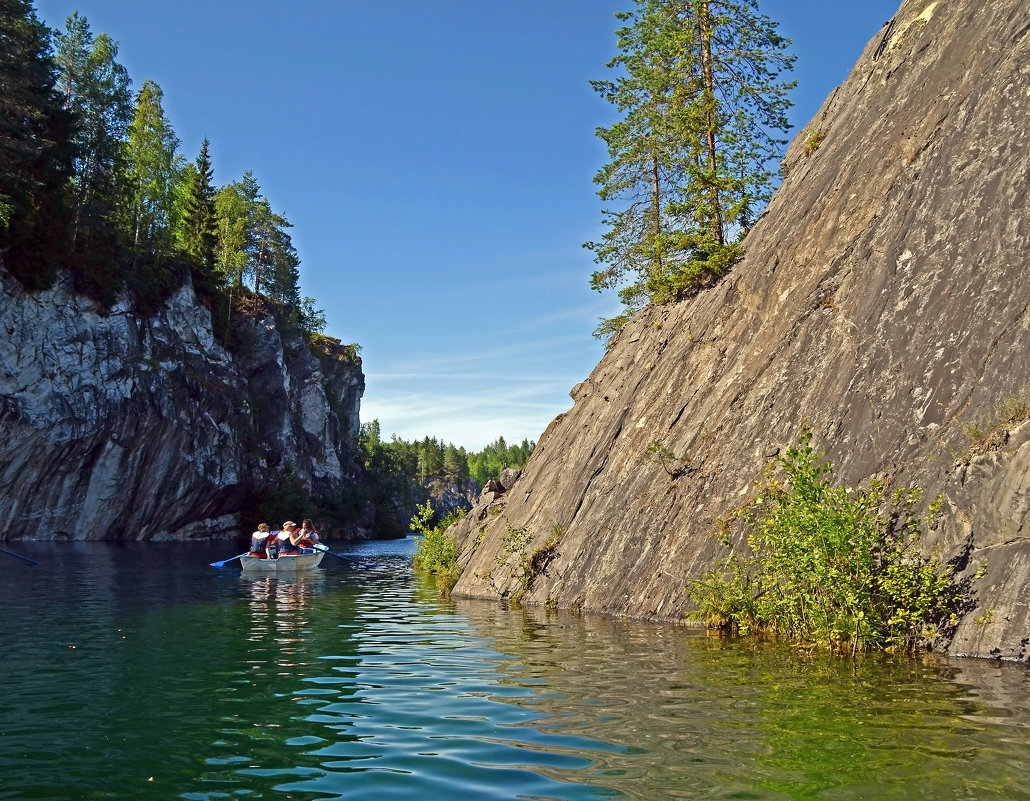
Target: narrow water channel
column 140, row 672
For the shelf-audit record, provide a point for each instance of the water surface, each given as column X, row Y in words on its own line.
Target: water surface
column 140, row 672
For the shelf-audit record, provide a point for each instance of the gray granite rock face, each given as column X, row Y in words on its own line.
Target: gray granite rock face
column 117, row 427
column 882, row 300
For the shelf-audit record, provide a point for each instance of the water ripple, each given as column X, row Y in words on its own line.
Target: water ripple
column 128, row 677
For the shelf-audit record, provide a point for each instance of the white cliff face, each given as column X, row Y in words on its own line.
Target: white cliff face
column 118, row 427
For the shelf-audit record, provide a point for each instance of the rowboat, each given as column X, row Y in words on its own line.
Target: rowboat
column 286, row 563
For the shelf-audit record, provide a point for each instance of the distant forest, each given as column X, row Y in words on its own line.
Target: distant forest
column 92, row 183
column 431, row 459
column 405, row 474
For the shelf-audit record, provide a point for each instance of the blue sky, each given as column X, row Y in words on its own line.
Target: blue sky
column 435, row 158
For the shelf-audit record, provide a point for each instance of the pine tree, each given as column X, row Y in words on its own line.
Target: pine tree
column 701, row 113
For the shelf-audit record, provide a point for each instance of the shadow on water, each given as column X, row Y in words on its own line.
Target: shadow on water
column 139, row 671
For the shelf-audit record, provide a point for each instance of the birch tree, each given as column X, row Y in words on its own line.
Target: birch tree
column 152, row 166
column 96, row 90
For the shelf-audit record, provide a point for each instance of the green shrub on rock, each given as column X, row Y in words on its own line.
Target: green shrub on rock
column 436, row 553
column 830, row 565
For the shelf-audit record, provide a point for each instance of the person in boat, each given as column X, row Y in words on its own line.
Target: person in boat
column 308, row 536
column 288, row 540
column 259, row 541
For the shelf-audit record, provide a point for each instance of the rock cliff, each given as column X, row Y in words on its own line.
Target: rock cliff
column 120, row 427
column 882, row 300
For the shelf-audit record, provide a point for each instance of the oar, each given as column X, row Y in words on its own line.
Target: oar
column 224, row 561
column 19, row 556
column 325, row 549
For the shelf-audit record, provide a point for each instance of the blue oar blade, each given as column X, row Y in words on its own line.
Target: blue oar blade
column 226, row 561
column 19, row 556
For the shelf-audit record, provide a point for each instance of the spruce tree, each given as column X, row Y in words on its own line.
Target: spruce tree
column 701, row 110
column 35, row 156
column 200, row 219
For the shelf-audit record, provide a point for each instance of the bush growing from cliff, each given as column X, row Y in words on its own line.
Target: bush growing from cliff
column 436, row 553
column 829, row 565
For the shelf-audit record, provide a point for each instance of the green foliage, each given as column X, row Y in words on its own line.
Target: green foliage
column 152, row 167
column 515, row 559
column 253, row 247
column 400, row 474
column 542, row 556
column 198, row 222
column 678, row 280
column 91, row 181
column 35, row 151
column 518, row 563
column 96, row 90
column 436, row 553
column 692, row 156
column 829, row 565
column 660, row 453
column 608, row 327
column 814, row 140
column 312, row 319
column 389, row 486
column 489, row 462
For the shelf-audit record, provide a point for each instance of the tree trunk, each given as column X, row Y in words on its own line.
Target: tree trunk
column 704, row 31
column 656, row 211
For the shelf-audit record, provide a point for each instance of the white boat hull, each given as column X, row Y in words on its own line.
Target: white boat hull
column 288, row 563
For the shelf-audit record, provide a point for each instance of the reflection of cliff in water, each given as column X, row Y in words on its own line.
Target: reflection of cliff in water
column 704, row 713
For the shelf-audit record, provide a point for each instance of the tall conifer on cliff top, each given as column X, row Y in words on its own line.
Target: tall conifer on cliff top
column 199, row 221
column 35, row 157
column 702, row 109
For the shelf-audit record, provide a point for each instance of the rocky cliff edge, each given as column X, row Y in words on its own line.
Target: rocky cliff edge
column 122, row 427
column 882, row 301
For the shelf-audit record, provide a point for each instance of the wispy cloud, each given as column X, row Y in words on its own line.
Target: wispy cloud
column 472, row 415
column 509, row 381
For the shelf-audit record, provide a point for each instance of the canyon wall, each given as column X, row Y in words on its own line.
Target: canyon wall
column 117, row 426
column 882, row 301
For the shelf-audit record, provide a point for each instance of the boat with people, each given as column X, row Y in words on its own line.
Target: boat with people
column 291, row 549
column 285, row 563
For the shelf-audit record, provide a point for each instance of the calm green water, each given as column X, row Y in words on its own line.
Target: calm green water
column 139, row 672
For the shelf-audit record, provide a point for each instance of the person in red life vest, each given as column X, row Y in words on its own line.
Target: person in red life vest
column 308, row 536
